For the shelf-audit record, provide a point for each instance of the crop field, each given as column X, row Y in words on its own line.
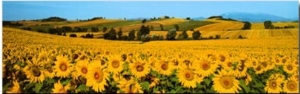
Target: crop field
column 265, row 62
column 99, row 21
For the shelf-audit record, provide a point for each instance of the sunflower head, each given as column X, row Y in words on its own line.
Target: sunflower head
column 62, row 67
column 225, row 82
column 187, row 77
column 115, row 64
column 34, row 71
column 139, row 68
column 59, row 88
column 291, row 86
column 273, row 86
column 97, row 76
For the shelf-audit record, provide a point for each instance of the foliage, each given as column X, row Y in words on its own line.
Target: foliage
column 171, row 34
column 196, row 35
column 247, row 25
column 268, row 25
column 54, row 19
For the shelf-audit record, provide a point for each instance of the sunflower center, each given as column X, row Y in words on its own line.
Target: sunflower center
column 164, row 66
column 222, row 58
column 205, row 66
column 139, row 68
column 264, row 64
column 290, row 67
column 258, row 68
column 115, row 63
column 62, row 89
column 283, row 60
column 36, row 72
column 63, row 67
column 291, row 85
column 189, row 76
column 226, row 82
column 273, row 84
column 229, row 64
column 84, row 70
column 98, row 76
column 50, row 69
column 254, row 63
column 175, row 63
column 242, row 67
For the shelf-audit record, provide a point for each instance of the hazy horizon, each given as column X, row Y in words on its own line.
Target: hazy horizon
column 30, row 10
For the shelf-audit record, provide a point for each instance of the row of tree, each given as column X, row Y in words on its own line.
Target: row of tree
column 269, row 25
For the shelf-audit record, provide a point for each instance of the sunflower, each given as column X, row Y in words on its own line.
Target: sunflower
column 164, row 67
column 59, row 88
column 82, row 67
column 273, row 85
column 291, row 85
column 266, row 64
column 62, row 66
column 290, row 68
column 96, row 76
column 259, row 69
column 253, row 62
column 154, row 82
column 43, row 55
column 227, row 64
column 115, row 64
column 34, row 71
column 248, row 79
column 242, row 67
column 225, row 82
column 129, row 86
column 187, row 78
column 15, row 88
column 205, row 67
column 49, row 69
column 139, row 68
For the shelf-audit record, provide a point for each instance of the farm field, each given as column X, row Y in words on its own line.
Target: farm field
column 265, row 62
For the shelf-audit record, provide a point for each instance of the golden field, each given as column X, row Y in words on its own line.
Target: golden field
column 265, row 62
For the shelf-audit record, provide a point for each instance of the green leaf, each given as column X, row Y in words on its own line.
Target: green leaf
column 209, row 91
column 66, row 82
column 38, row 87
column 172, row 91
column 207, row 81
column 169, row 84
column 174, row 79
column 243, row 85
column 82, row 87
column 199, row 85
column 145, row 85
column 253, row 91
column 258, row 85
column 50, row 81
column 155, row 89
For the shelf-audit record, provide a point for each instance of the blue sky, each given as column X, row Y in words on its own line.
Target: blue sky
column 71, row 10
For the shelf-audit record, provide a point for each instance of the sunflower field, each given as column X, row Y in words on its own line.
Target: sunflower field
column 41, row 63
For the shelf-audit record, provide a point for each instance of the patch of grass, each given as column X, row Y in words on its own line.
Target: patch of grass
column 186, row 25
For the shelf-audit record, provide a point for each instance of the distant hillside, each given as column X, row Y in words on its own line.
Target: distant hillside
column 260, row 17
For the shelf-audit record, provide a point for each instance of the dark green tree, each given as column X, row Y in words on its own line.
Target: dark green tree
column 104, row 29
column 131, row 35
column 94, row 29
column 196, row 35
column 120, row 33
column 247, row 25
column 184, row 34
column 176, row 27
column 268, row 25
column 171, row 34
